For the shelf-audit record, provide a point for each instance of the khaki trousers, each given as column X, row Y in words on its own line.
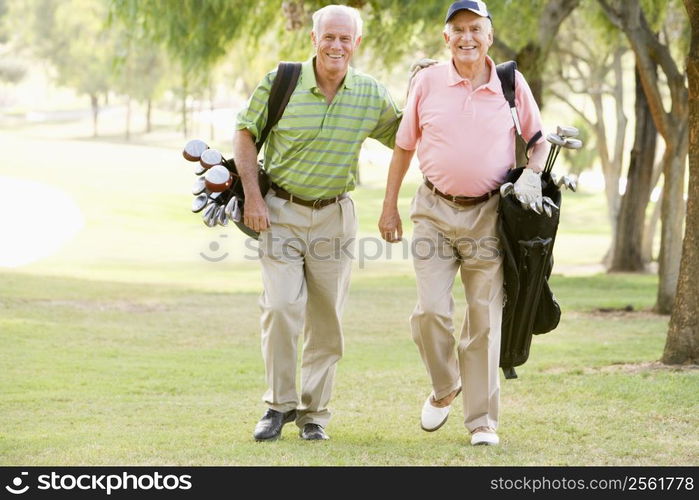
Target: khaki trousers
column 306, row 260
column 448, row 238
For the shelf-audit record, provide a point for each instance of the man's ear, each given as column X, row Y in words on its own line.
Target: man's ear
column 357, row 42
column 313, row 39
column 446, row 36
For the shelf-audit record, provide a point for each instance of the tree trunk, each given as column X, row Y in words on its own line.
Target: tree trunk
column 628, row 247
column 649, row 231
column 529, row 64
column 682, row 344
column 149, row 126
column 127, row 134
column 672, row 216
column 211, row 112
column 94, row 103
column 184, row 105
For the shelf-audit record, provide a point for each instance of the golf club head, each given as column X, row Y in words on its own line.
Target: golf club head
column 194, row 149
column 215, row 197
column 199, row 186
column 218, row 179
column 547, row 210
column 556, row 139
column 572, row 183
column 199, row 203
column 198, row 169
column 549, row 202
column 221, row 217
column 209, row 214
column 507, row 188
column 573, row 143
column 230, row 206
column 211, row 158
column 534, row 206
column 567, row 131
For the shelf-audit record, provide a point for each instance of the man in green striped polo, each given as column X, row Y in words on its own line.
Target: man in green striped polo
column 307, row 221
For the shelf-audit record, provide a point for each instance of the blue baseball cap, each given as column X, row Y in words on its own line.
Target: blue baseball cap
column 475, row 6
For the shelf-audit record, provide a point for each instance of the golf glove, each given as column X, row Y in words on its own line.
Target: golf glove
column 528, row 187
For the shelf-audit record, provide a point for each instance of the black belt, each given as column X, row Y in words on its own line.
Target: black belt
column 285, row 195
column 461, row 200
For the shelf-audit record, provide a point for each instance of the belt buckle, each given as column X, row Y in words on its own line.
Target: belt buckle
column 317, row 204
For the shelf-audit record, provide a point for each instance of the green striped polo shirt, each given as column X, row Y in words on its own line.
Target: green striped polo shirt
column 313, row 151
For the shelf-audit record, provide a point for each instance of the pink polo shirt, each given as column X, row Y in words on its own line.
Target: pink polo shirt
column 464, row 137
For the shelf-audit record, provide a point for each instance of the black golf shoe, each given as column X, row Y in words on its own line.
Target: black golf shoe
column 270, row 425
column 313, row 432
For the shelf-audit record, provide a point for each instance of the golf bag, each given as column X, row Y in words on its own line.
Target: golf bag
column 282, row 87
column 527, row 240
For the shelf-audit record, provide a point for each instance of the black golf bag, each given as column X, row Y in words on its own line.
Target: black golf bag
column 526, row 240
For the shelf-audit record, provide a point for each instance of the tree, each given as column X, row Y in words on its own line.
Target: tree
column 70, row 35
column 682, row 345
column 627, row 250
column 587, row 61
column 672, row 126
column 141, row 72
column 196, row 33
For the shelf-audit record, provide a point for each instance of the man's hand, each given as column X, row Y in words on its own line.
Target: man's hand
column 255, row 214
column 417, row 66
column 390, row 225
column 527, row 190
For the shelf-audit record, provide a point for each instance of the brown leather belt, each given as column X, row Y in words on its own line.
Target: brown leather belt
column 461, row 200
column 285, row 195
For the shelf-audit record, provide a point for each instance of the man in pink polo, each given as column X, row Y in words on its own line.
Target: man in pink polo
column 460, row 123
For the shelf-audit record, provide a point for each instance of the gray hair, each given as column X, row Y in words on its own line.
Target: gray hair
column 338, row 9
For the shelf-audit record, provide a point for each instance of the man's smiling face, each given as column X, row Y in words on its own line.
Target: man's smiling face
column 335, row 43
column 469, row 36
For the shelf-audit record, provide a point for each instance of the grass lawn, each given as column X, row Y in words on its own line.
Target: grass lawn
column 127, row 346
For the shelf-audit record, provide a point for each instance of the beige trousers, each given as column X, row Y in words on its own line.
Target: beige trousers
column 450, row 238
column 306, row 260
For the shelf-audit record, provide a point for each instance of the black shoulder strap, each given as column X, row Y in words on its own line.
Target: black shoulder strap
column 282, row 87
column 506, row 74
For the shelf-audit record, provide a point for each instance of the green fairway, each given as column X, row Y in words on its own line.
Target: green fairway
column 111, row 373
column 128, row 345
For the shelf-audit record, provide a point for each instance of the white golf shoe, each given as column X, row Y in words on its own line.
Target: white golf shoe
column 484, row 436
column 433, row 417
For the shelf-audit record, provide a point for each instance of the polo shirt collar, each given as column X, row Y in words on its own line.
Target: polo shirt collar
column 493, row 84
column 308, row 76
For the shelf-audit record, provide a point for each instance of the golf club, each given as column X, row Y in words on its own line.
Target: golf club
column 567, row 131
column 218, row 179
column 211, row 158
column 556, row 142
column 221, row 217
column 194, row 149
column 199, row 186
column 507, row 188
column 200, row 202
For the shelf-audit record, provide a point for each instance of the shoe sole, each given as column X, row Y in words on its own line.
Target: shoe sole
column 435, row 428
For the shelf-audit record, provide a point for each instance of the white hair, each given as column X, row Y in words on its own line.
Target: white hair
column 338, row 9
